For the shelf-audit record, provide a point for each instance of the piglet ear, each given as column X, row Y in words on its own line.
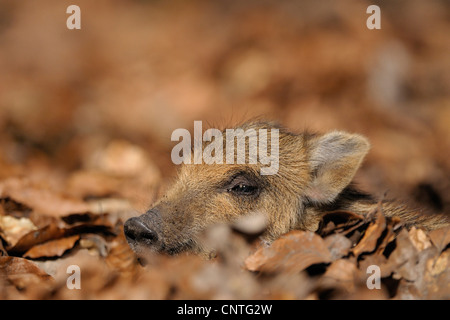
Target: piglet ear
column 334, row 157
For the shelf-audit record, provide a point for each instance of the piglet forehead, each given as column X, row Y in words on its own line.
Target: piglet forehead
column 250, row 145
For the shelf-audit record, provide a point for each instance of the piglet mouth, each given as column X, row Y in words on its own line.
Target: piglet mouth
column 186, row 246
column 147, row 255
column 145, row 249
column 144, row 255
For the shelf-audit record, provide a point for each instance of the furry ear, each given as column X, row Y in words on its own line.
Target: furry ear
column 334, row 157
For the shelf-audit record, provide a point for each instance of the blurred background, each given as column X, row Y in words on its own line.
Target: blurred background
column 106, row 98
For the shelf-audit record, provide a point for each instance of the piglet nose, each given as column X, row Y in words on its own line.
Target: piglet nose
column 136, row 230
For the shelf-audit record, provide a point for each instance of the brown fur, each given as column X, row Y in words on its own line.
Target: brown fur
column 314, row 177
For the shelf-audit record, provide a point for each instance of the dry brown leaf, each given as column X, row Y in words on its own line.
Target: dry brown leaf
column 364, row 293
column 440, row 237
column 427, row 277
column 402, row 260
column 95, row 244
column 334, row 221
column 12, row 229
column 121, row 257
column 52, row 248
column 110, row 205
column 92, row 183
column 80, row 223
column 36, row 237
column 40, row 198
column 88, row 219
column 378, row 260
column 292, row 252
column 419, row 239
column 369, row 241
column 436, row 266
column 437, row 277
column 3, row 251
column 341, row 273
column 101, row 224
column 21, row 272
column 389, row 235
column 121, row 158
column 13, row 208
column 338, row 245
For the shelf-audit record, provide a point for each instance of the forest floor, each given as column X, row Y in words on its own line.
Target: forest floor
column 86, row 118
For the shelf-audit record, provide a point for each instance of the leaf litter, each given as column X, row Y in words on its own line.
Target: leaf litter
column 75, row 166
column 331, row 263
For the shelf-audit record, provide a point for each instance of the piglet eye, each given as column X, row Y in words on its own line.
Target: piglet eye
column 243, row 189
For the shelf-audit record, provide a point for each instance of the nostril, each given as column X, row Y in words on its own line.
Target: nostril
column 149, row 235
column 136, row 230
column 128, row 230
